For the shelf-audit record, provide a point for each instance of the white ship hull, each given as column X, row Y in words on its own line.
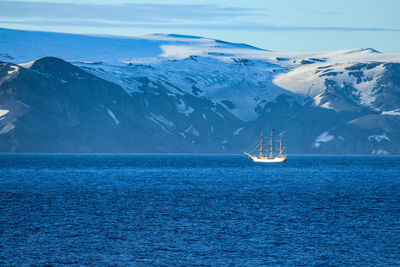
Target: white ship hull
column 267, row 160
column 271, row 160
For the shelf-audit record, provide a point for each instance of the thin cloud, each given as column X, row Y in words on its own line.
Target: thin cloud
column 222, row 27
column 151, row 16
column 122, row 12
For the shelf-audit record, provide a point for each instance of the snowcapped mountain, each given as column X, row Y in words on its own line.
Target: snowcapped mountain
column 193, row 94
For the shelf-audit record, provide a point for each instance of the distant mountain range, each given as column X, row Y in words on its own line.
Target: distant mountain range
column 173, row 93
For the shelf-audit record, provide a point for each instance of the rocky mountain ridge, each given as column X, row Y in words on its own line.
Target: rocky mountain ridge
column 172, row 93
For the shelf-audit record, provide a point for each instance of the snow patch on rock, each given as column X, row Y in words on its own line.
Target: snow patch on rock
column 192, row 130
column 163, row 120
column 378, row 138
column 13, row 70
column 183, row 108
column 3, row 112
column 379, row 152
column 237, row 131
column 113, row 116
column 323, row 138
column 8, row 127
column 395, row 112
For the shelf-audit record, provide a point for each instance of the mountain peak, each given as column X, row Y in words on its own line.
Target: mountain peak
column 56, row 68
column 371, row 50
column 47, row 64
column 43, row 61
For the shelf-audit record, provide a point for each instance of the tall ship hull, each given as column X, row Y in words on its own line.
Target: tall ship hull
column 271, row 158
column 267, row 159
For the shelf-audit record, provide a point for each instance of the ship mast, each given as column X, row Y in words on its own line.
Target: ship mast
column 261, row 147
column 271, row 151
column 280, row 146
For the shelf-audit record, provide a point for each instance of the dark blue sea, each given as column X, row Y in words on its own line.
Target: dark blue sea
column 199, row 210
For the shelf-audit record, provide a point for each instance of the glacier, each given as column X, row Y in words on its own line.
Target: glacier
column 193, row 87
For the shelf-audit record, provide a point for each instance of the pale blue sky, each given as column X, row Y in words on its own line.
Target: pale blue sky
column 280, row 25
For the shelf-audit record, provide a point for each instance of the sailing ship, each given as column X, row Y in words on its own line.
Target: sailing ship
column 271, row 158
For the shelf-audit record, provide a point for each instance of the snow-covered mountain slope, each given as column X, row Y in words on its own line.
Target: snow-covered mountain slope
column 240, row 86
column 212, row 66
column 53, row 106
column 23, row 46
column 221, row 71
column 188, row 86
column 362, row 80
column 243, row 76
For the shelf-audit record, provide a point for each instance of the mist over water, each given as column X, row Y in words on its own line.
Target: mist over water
column 198, row 210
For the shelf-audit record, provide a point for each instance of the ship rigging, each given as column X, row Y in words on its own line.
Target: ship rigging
column 271, row 158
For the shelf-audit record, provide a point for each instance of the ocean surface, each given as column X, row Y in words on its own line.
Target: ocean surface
column 199, row 210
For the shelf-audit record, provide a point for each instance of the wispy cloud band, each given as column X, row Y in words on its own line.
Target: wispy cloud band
column 169, row 25
column 122, row 12
column 150, row 16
